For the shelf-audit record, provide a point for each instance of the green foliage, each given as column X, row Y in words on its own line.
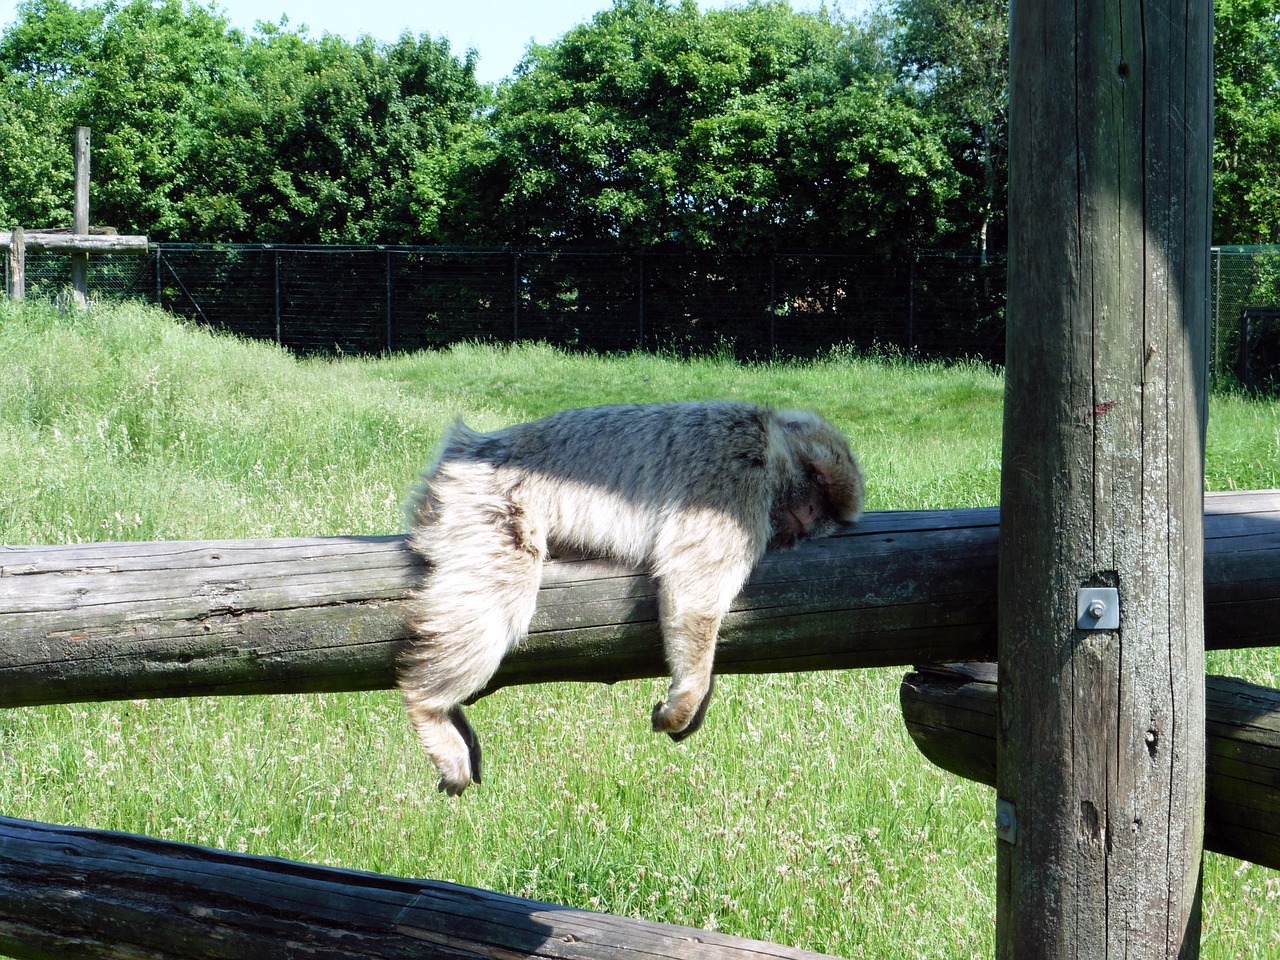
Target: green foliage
column 752, row 127
column 955, row 54
column 202, row 133
column 340, row 130
column 749, row 128
column 1246, row 163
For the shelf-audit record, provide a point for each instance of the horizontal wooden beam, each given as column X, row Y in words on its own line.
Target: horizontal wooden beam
column 68, row 892
column 951, row 714
column 133, row 620
column 74, row 243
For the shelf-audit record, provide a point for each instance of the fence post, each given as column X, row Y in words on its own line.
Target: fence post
column 911, row 299
column 640, row 345
column 388, row 301
column 773, row 305
column 159, row 285
column 1101, row 745
column 1216, row 320
column 515, row 295
column 17, row 265
column 275, row 258
column 80, row 219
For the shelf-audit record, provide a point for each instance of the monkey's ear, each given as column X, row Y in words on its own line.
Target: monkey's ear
column 799, row 421
column 840, row 492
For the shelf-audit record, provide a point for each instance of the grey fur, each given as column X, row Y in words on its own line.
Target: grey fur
column 692, row 492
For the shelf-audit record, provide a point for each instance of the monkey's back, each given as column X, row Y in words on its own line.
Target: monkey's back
column 619, row 479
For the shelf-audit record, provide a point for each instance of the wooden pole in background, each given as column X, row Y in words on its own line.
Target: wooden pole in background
column 1101, row 761
column 17, row 265
column 80, row 221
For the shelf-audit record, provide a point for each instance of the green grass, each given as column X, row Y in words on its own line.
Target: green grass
column 801, row 813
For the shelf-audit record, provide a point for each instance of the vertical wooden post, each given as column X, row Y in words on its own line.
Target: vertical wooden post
column 515, row 296
column 17, row 265
column 80, row 221
column 390, row 329
column 1101, row 737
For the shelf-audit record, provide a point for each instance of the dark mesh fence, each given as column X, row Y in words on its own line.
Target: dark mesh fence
column 957, row 305
column 1244, row 290
column 370, row 299
column 373, row 299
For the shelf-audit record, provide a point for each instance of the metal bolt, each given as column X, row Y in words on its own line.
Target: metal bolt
column 1098, row 608
column 1006, row 821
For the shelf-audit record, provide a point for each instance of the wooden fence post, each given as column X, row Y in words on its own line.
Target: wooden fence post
column 17, row 265
column 1100, row 780
column 80, row 219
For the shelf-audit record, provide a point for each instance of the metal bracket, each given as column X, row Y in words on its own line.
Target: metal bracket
column 1006, row 821
column 1098, row 608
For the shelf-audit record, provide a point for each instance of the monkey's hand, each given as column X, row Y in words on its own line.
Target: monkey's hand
column 668, row 716
column 459, row 770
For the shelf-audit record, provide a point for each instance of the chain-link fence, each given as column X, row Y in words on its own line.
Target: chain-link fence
column 374, row 299
column 1244, row 290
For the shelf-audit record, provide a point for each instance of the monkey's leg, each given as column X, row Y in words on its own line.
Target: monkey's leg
column 474, row 606
column 690, row 626
column 449, row 741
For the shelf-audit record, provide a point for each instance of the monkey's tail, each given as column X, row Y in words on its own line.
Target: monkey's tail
column 484, row 564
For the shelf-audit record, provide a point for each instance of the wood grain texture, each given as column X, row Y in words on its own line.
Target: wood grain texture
column 70, row 242
column 950, row 712
column 1110, row 128
column 134, row 620
column 66, row 892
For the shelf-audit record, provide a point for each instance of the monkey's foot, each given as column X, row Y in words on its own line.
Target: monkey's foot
column 452, row 780
column 451, row 744
column 668, row 718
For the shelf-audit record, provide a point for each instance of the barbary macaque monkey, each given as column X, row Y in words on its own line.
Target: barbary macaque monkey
column 692, row 492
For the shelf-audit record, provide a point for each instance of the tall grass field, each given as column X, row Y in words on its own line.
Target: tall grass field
column 801, row 813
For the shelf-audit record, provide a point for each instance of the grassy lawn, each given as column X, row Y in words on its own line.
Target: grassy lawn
column 801, row 813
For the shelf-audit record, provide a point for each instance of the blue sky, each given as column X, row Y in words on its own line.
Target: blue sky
column 499, row 30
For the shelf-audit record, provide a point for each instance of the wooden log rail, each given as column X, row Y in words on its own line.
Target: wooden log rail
column 61, row 241
column 133, row 620
column 951, row 714
column 71, row 892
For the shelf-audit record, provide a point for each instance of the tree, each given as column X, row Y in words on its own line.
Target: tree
column 202, row 133
column 44, row 59
column 341, row 129
column 956, row 54
column 751, row 128
column 1246, row 162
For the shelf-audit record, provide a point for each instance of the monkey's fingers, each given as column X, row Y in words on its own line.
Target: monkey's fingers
column 695, row 722
column 450, row 788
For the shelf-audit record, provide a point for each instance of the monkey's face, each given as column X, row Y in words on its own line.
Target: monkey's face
column 828, row 495
column 821, row 505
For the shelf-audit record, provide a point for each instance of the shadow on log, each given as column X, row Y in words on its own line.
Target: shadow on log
column 131, row 620
column 66, row 892
column 950, row 712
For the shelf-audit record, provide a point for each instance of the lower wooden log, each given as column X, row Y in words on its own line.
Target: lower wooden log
column 85, row 893
column 950, row 712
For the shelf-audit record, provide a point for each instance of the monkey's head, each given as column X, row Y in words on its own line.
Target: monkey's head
column 821, row 488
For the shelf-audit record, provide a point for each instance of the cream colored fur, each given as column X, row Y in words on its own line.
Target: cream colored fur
column 692, row 492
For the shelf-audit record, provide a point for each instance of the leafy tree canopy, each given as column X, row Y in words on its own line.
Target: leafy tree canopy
column 203, row 133
column 746, row 128
column 753, row 127
column 1246, row 163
